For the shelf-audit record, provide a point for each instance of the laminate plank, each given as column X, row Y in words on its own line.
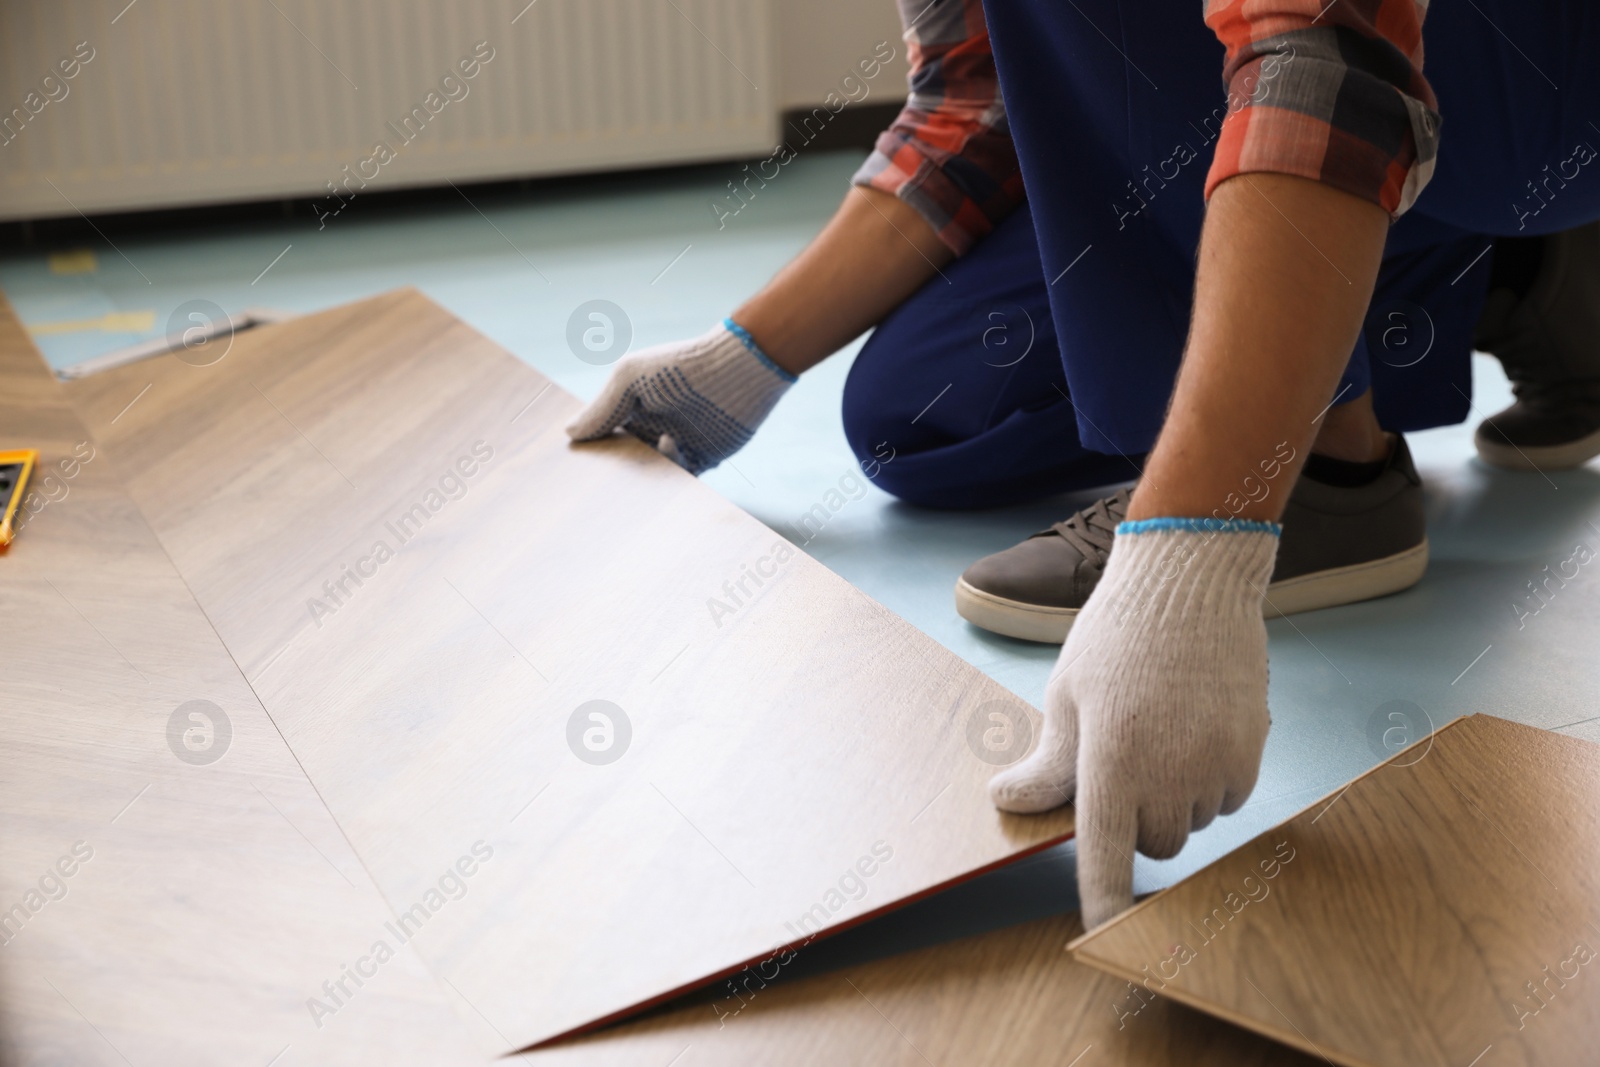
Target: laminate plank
column 1009, row 998
column 506, row 580
column 154, row 910
column 1441, row 910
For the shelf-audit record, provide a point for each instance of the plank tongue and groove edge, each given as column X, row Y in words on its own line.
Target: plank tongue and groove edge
column 152, row 909
column 1440, row 911
column 427, row 585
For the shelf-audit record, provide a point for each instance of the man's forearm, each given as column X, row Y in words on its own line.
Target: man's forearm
column 874, row 253
column 1286, row 269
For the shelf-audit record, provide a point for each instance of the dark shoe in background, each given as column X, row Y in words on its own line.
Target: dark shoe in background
column 1340, row 545
column 1542, row 321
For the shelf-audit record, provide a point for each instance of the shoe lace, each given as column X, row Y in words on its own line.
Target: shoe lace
column 1091, row 530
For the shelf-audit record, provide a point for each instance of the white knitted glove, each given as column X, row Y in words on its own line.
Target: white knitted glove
column 1156, row 712
column 697, row 401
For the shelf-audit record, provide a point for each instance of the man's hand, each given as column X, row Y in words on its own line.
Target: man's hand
column 1156, row 713
column 697, row 401
column 1170, row 686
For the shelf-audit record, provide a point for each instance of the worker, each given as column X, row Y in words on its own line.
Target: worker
column 1240, row 293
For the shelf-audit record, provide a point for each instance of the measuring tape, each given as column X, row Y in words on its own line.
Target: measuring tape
column 15, row 467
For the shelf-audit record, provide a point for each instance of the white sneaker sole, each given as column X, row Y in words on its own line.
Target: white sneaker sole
column 1565, row 457
column 1308, row 592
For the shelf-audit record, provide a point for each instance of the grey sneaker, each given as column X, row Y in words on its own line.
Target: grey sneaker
column 1339, row 545
column 1549, row 343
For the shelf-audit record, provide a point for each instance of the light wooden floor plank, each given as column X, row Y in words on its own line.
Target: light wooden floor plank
column 155, row 910
column 1010, row 998
column 1443, row 910
column 774, row 745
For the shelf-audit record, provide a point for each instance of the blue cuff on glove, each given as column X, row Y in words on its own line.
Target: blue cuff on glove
column 1200, row 526
column 750, row 342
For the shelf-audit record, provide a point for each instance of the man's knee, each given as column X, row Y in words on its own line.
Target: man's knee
column 871, row 410
column 871, row 435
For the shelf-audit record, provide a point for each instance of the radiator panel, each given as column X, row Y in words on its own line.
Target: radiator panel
column 197, row 101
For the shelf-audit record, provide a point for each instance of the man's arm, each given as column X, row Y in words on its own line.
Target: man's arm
column 939, row 179
column 875, row 252
column 1174, row 710
column 1285, row 272
column 1156, row 715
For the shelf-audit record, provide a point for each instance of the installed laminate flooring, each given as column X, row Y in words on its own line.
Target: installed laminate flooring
column 1008, row 998
column 428, row 587
column 158, row 907
column 1444, row 909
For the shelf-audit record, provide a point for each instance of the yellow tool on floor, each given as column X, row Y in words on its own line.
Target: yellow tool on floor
column 15, row 467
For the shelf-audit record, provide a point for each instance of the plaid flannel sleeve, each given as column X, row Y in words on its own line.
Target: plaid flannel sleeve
column 1328, row 91
column 949, row 153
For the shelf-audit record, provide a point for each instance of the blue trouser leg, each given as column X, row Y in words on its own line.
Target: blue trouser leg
column 958, row 399
column 1115, row 112
column 963, row 384
column 1518, row 117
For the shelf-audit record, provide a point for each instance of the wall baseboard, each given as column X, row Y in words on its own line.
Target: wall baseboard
column 854, row 127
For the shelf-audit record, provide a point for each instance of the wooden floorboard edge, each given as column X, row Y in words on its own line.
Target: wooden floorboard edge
column 822, row 935
column 1291, row 1037
column 1078, row 943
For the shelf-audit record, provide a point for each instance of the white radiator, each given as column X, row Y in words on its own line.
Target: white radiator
column 177, row 102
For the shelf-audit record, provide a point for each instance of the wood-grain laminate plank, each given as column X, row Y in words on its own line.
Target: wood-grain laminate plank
column 1444, row 909
column 154, row 910
column 208, row 913
column 1009, row 998
column 425, row 584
